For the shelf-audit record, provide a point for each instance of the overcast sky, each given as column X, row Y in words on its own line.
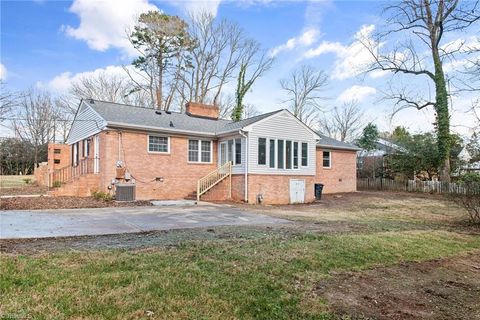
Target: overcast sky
column 49, row 43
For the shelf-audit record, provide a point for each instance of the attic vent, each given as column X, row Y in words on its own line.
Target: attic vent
column 158, row 111
column 171, row 124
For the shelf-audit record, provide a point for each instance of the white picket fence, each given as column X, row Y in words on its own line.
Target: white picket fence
column 417, row 186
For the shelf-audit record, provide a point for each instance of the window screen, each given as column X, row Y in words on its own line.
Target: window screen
column 326, row 159
column 280, row 154
column 272, row 153
column 193, row 150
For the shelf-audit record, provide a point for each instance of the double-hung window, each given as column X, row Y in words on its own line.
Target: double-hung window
column 295, row 155
column 158, row 144
column 199, row 151
column 327, row 159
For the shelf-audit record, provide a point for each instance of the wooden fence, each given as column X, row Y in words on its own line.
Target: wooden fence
column 417, row 186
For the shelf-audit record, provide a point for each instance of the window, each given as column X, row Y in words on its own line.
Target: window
column 288, row 148
column 238, row 151
column 272, row 153
column 327, row 162
column 280, row 154
column 295, row 155
column 75, row 154
column 206, row 151
column 262, row 151
column 158, row 144
column 56, row 161
column 57, row 151
column 199, row 151
column 304, row 154
column 193, row 150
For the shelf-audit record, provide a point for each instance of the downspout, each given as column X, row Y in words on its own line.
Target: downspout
column 245, row 135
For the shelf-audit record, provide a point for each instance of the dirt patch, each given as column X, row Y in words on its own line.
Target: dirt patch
column 438, row 289
column 35, row 203
column 25, row 190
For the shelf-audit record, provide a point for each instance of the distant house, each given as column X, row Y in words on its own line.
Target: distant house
column 270, row 158
column 467, row 165
column 375, row 162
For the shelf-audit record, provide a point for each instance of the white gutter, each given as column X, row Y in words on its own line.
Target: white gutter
column 245, row 135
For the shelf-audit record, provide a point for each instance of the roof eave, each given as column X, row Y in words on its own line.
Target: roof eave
column 157, row 129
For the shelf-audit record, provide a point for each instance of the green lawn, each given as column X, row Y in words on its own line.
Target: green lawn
column 265, row 277
column 15, row 181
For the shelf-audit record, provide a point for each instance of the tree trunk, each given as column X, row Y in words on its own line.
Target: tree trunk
column 443, row 117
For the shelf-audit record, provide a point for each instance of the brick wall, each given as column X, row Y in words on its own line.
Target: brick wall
column 179, row 177
column 276, row 188
column 342, row 176
column 58, row 156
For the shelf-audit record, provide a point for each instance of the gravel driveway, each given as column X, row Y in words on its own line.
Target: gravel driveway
column 77, row 222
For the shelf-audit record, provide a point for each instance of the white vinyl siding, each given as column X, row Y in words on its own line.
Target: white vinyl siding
column 87, row 123
column 279, row 129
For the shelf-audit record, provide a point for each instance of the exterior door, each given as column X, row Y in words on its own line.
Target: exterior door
column 223, row 153
column 297, row 191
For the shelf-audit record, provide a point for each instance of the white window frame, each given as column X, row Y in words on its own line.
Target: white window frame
column 199, row 151
column 234, row 151
column 159, row 136
column 329, row 159
column 275, row 158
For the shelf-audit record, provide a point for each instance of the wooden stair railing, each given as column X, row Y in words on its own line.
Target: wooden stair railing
column 213, row 178
column 68, row 173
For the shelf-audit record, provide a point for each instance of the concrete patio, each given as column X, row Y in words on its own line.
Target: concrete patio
column 78, row 222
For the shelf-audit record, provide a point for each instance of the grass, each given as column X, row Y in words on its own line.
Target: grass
column 270, row 275
column 15, row 181
column 262, row 279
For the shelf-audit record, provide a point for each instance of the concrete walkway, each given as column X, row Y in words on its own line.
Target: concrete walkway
column 77, row 222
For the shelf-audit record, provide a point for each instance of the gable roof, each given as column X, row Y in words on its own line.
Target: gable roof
column 327, row 142
column 119, row 115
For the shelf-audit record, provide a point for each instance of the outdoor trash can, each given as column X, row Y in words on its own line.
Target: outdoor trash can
column 318, row 191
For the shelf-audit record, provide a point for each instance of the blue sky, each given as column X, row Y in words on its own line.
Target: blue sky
column 46, row 43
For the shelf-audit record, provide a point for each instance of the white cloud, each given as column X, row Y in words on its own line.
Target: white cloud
column 306, row 39
column 356, row 92
column 62, row 83
column 350, row 59
column 104, row 24
column 3, row 72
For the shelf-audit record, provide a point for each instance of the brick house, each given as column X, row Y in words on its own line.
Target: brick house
column 270, row 158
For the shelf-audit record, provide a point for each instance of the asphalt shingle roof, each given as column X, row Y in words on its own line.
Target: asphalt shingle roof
column 147, row 117
column 328, row 142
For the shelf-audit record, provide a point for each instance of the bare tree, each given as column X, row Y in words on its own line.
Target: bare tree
column 35, row 120
column 344, row 122
column 424, row 23
column 303, row 88
column 253, row 65
column 7, row 100
column 215, row 56
column 108, row 87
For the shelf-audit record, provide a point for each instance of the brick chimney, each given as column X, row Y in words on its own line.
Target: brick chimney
column 202, row 110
